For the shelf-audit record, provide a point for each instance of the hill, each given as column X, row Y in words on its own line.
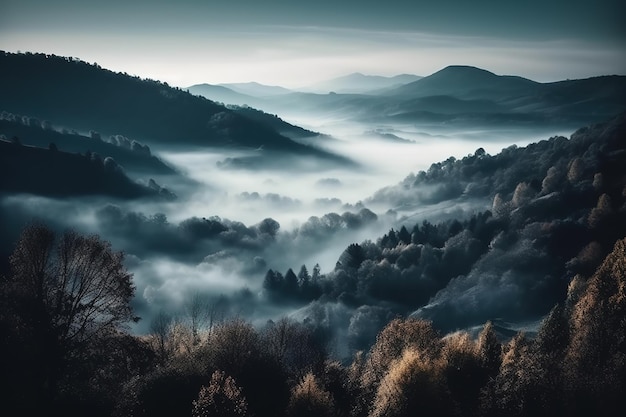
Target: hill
column 255, row 89
column 471, row 96
column 50, row 172
column 74, row 93
column 221, row 94
column 556, row 209
column 130, row 154
column 272, row 120
column 357, row 83
column 465, row 82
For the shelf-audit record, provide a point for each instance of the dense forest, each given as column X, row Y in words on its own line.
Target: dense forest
column 84, row 96
column 552, row 248
column 65, row 351
column 488, row 285
column 558, row 208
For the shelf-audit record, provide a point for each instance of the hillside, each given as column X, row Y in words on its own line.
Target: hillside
column 255, row 89
column 272, row 120
column 130, row 154
column 86, row 97
column 221, row 94
column 357, row 83
column 470, row 96
column 53, row 173
column 556, row 209
column 465, row 82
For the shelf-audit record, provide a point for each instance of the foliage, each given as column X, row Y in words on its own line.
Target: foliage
column 220, row 398
column 309, row 399
column 63, row 299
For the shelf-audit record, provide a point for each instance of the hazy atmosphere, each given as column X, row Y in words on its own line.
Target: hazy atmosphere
column 342, row 196
column 294, row 44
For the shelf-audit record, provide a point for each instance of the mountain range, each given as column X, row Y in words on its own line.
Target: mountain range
column 455, row 94
column 357, row 83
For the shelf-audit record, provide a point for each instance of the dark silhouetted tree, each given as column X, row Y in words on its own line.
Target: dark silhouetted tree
column 404, row 235
column 291, row 284
column 68, row 294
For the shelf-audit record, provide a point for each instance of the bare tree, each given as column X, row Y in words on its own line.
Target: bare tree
column 64, row 295
column 202, row 314
column 160, row 329
column 79, row 282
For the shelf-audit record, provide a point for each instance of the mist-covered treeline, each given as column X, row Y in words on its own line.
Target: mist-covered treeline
column 131, row 154
column 65, row 351
column 543, row 166
column 62, row 174
column 558, row 208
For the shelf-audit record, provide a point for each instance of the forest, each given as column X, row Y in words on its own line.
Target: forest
column 482, row 285
column 65, row 351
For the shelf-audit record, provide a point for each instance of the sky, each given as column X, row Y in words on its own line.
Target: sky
column 295, row 44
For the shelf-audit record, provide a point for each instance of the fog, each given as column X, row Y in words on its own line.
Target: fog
column 214, row 239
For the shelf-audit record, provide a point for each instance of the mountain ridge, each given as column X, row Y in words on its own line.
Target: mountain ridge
column 87, row 97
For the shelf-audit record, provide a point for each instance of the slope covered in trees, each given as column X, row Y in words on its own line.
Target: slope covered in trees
column 65, row 351
column 86, row 97
column 558, row 208
column 50, row 172
column 131, row 154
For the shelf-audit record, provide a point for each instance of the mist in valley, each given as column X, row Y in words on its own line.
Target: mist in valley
column 230, row 223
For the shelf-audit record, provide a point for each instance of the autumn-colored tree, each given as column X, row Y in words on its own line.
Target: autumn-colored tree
column 309, row 399
column 507, row 393
column 220, row 398
column 596, row 356
column 235, row 347
column 394, row 339
column 464, row 371
column 601, row 211
column 414, row 385
column 489, row 350
column 231, row 345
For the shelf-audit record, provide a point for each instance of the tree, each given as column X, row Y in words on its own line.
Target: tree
column 160, row 330
column 489, row 350
column 197, row 310
column 414, row 385
column 80, row 283
column 595, row 360
column 309, row 399
column 304, row 279
column 291, row 283
column 220, row 398
column 404, row 235
column 67, row 295
column 293, row 345
column 394, row 339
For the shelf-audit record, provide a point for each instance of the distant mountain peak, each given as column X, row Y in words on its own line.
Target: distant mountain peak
column 357, row 82
column 464, row 69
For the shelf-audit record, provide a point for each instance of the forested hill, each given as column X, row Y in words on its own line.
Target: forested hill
column 50, row 172
column 129, row 153
column 87, row 97
column 542, row 165
column 558, row 208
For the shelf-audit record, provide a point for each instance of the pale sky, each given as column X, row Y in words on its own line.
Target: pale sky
column 294, row 44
